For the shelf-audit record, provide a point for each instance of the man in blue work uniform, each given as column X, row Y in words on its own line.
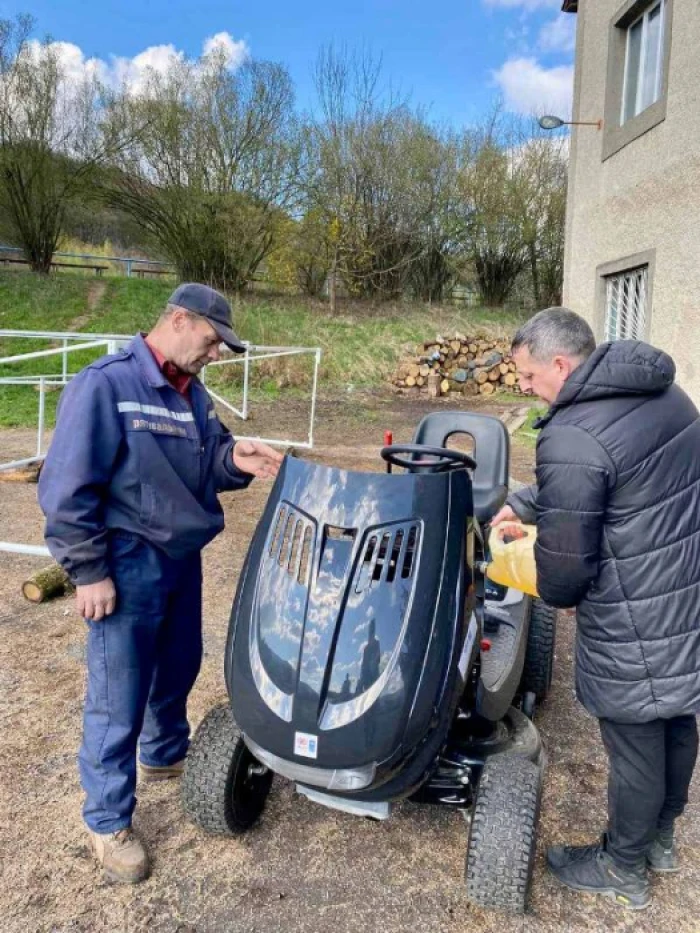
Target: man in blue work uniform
column 129, row 489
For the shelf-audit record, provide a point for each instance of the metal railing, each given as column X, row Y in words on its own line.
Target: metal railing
column 128, row 262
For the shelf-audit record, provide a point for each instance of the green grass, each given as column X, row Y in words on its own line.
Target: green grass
column 128, row 305
column 527, row 434
column 360, row 344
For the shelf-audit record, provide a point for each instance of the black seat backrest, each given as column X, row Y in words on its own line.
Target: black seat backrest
column 491, row 452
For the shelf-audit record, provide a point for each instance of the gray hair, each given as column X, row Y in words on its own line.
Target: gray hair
column 170, row 309
column 555, row 332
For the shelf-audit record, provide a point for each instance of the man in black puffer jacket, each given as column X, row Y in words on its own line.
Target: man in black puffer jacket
column 617, row 506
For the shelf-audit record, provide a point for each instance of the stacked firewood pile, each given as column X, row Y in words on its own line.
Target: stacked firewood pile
column 458, row 364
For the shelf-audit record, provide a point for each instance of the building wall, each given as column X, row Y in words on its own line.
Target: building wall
column 643, row 199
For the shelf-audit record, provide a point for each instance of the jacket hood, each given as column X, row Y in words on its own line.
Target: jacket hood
column 624, row 367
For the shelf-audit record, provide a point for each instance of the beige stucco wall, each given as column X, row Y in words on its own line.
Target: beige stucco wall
column 646, row 196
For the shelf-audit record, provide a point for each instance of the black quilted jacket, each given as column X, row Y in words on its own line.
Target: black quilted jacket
column 617, row 505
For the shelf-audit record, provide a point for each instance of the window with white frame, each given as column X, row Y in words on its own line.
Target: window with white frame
column 644, row 61
column 626, row 304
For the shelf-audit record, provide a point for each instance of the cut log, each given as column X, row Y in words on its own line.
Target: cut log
column 42, row 585
column 434, row 385
column 470, row 388
column 494, row 374
column 510, row 379
column 410, row 381
column 481, row 376
column 22, row 475
column 503, row 367
column 488, row 388
column 425, row 369
column 420, row 380
column 444, row 386
column 413, row 369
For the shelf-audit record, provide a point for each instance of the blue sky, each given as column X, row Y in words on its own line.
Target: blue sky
column 454, row 57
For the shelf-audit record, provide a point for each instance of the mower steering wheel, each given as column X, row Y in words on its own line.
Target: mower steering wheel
column 444, row 458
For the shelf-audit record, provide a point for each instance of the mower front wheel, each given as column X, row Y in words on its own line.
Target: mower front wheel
column 224, row 787
column 503, row 833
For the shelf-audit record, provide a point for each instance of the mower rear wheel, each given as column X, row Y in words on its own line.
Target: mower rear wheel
column 224, row 787
column 539, row 657
column 503, row 832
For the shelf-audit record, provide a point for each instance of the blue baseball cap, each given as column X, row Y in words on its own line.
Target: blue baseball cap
column 209, row 304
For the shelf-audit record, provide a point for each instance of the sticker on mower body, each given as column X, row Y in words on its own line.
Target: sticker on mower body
column 305, row 745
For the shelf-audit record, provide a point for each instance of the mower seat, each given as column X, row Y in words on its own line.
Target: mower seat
column 491, row 452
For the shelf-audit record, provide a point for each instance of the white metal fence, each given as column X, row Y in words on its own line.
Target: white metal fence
column 70, row 343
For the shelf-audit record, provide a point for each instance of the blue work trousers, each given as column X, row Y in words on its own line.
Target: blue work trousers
column 142, row 663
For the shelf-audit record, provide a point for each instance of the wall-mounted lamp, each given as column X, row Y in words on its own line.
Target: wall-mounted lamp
column 549, row 122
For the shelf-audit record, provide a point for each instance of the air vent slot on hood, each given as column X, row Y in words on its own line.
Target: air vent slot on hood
column 388, row 556
column 291, row 544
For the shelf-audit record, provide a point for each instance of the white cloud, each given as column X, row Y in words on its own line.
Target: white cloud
column 133, row 72
column 71, row 59
column 236, row 52
column 528, row 88
column 527, row 5
column 559, row 35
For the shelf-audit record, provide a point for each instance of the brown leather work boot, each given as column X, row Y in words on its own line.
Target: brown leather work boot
column 122, row 856
column 161, row 772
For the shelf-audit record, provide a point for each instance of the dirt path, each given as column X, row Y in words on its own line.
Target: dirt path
column 303, row 869
column 94, row 297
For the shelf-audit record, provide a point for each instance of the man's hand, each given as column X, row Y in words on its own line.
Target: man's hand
column 256, row 458
column 506, row 514
column 95, row 601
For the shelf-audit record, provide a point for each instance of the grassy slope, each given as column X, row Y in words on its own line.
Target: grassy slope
column 360, row 345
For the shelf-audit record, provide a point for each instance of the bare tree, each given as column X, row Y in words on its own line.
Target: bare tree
column 216, row 165
column 541, row 204
column 515, row 189
column 365, row 169
column 495, row 235
column 52, row 140
column 443, row 221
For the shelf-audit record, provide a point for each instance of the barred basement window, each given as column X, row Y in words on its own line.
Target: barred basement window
column 626, row 304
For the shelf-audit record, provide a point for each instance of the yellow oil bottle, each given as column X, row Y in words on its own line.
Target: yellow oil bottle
column 512, row 563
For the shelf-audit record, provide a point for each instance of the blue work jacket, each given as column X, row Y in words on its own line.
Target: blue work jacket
column 132, row 454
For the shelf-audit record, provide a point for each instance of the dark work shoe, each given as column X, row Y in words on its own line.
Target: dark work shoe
column 592, row 869
column 662, row 855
